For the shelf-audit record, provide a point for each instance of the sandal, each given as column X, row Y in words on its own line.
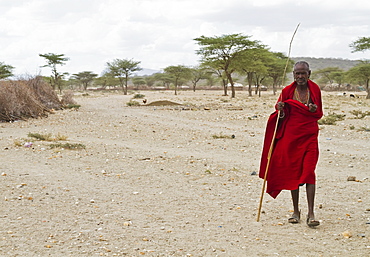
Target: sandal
column 312, row 222
column 295, row 218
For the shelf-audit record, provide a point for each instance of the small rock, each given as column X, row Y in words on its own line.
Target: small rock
column 347, row 234
column 351, row 178
column 253, row 173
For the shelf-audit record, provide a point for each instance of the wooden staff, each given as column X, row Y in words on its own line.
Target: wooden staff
column 267, row 166
column 274, row 135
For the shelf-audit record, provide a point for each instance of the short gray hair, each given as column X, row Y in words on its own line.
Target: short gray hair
column 302, row 63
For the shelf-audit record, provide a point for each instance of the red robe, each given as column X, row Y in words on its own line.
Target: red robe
column 295, row 152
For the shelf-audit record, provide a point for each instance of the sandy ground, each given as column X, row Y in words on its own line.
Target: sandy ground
column 155, row 181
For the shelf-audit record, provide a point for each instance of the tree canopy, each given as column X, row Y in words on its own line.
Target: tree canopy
column 85, row 78
column 225, row 53
column 361, row 74
column 52, row 61
column 360, row 45
column 123, row 69
column 178, row 73
column 5, row 70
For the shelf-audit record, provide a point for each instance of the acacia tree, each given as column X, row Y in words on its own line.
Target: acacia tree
column 52, row 61
column 360, row 45
column 196, row 74
column 254, row 64
column 106, row 80
column 329, row 74
column 138, row 81
column 361, row 74
column 123, row 69
column 276, row 69
column 5, row 70
column 178, row 73
column 224, row 53
column 85, row 78
column 164, row 78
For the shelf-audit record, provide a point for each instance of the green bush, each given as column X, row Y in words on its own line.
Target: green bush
column 138, row 96
column 331, row 119
column 133, row 103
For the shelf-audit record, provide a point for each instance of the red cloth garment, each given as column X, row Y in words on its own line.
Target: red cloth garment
column 295, row 151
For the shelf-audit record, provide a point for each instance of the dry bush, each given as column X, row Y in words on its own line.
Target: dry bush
column 67, row 98
column 23, row 99
column 44, row 92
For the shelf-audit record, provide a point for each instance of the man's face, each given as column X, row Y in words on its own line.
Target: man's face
column 301, row 74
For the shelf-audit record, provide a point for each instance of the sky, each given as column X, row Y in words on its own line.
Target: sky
column 160, row 33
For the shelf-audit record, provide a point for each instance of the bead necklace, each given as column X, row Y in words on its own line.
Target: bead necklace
column 298, row 97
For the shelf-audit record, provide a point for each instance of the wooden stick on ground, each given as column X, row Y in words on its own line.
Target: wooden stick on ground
column 274, row 135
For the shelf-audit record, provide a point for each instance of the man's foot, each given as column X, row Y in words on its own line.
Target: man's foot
column 311, row 222
column 295, row 218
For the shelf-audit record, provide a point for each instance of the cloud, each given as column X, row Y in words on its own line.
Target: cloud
column 160, row 33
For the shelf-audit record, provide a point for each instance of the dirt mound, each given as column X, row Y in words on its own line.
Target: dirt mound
column 162, row 103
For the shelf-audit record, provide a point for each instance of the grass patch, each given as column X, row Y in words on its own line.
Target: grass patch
column 72, row 106
column 366, row 129
column 47, row 137
column 41, row 137
column 223, row 136
column 60, row 137
column 133, row 103
column 18, row 143
column 331, row 119
column 359, row 114
column 68, row 146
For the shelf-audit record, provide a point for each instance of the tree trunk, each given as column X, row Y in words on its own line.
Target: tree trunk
column 232, row 85
column 176, row 87
column 250, row 81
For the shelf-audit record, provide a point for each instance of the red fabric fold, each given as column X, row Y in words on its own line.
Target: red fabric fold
column 295, row 150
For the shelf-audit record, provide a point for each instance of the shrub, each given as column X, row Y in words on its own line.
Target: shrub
column 359, row 114
column 133, row 103
column 23, row 99
column 67, row 98
column 331, row 119
column 138, row 96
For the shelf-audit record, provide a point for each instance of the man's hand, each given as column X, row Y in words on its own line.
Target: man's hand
column 312, row 107
column 280, row 106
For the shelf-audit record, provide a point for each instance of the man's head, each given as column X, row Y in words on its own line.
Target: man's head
column 301, row 72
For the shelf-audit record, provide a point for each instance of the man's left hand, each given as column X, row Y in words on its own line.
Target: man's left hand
column 312, row 107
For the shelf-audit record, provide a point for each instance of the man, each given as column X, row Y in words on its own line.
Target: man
column 295, row 151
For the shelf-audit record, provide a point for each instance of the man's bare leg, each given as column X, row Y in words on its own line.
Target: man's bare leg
column 295, row 200
column 310, row 190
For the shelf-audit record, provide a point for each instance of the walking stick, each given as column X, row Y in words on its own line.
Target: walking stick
column 274, row 135
column 267, row 167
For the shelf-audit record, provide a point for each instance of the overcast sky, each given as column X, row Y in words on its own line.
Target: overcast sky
column 160, row 33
